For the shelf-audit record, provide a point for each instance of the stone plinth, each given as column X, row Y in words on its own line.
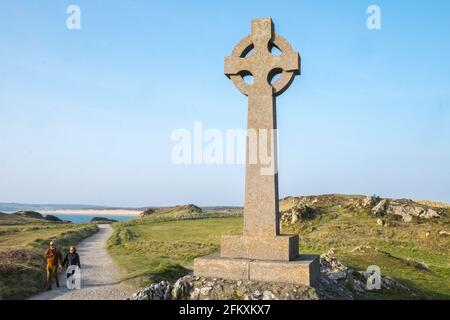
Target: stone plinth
column 304, row 269
column 282, row 247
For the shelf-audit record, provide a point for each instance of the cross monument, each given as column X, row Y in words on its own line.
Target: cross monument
column 261, row 252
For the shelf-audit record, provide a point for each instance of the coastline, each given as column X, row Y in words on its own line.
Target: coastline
column 95, row 212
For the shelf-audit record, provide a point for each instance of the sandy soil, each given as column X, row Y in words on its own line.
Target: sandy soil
column 100, row 277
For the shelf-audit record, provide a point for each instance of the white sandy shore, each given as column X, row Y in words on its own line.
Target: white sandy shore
column 106, row 212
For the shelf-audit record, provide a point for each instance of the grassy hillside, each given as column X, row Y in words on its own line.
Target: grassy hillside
column 401, row 249
column 163, row 247
column 164, row 243
column 22, row 244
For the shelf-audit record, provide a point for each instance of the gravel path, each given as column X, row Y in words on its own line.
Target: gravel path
column 99, row 276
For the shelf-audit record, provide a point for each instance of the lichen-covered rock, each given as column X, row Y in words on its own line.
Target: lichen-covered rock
column 380, row 208
column 371, row 201
column 181, row 288
column 297, row 213
column 410, row 211
column 407, row 210
column 156, row 291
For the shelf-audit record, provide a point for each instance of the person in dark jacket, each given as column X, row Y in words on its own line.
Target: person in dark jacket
column 72, row 259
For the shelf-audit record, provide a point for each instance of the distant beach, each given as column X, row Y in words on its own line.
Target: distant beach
column 93, row 212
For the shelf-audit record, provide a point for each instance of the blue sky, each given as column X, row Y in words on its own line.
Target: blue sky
column 86, row 115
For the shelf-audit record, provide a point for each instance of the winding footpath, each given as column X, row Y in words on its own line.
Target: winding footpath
column 100, row 278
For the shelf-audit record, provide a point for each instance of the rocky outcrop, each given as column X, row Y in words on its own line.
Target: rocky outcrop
column 148, row 212
column 53, row 218
column 355, row 281
column 371, row 201
column 102, row 220
column 186, row 210
column 296, row 209
column 37, row 215
column 192, row 208
column 380, row 208
column 197, row 288
column 337, row 282
column 407, row 210
column 29, row 214
column 297, row 213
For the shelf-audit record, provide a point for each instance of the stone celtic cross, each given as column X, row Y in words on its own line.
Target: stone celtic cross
column 261, row 253
column 261, row 215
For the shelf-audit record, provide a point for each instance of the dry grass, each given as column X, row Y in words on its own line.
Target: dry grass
column 22, row 264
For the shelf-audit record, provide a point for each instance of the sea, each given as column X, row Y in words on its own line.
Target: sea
column 85, row 218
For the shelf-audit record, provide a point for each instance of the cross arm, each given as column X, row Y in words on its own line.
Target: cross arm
column 235, row 65
column 288, row 61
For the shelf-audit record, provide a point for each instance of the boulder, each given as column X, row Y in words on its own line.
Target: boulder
column 181, row 289
column 156, row 291
column 371, row 201
column 380, row 208
column 297, row 213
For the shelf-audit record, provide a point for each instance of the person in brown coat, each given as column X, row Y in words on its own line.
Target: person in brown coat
column 53, row 256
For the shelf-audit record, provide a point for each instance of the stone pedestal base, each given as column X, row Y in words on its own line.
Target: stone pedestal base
column 281, row 247
column 303, row 269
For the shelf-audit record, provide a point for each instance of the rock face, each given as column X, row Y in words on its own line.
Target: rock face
column 337, row 282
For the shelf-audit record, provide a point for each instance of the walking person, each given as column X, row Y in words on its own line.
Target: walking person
column 53, row 256
column 71, row 259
